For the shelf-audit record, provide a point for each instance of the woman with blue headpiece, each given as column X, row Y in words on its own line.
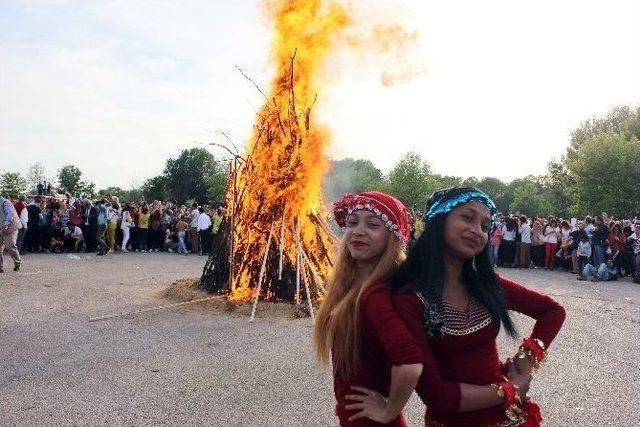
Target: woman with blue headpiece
column 454, row 304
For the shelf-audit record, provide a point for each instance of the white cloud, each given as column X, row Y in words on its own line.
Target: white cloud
column 118, row 87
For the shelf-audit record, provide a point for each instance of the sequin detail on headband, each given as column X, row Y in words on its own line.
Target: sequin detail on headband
column 444, row 205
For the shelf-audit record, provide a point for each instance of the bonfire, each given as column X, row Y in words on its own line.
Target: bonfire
column 274, row 243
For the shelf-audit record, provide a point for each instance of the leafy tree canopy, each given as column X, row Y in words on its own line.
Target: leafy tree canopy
column 607, row 175
column 13, row 183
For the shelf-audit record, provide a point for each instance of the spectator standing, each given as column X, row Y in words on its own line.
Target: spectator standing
column 634, row 241
column 75, row 214
column 589, row 227
column 618, row 244
column 143, row 228
column 32, row 236
column 156, row 237
column 583, row 252
column 10, row 224
column 537, row 243
column 134, row 231
column 496, row 239
column 507, row 247
column 112, row 225
column 23, row 214
column 182, row 226
column 193, row 230
column 599, row 240
column 216, row 220
column 204, row 222
column 125, row 225
column 550, row 243
column 91, row 226
column 101, row 233
column 525, row 243
column 576, row 237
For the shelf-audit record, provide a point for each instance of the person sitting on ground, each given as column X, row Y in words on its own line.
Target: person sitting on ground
column 73, row 238
column 56, row 244
column 607, row 271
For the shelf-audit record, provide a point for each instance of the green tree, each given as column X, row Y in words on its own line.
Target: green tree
column 621, row 120
column 69, row 179
column 606, row 175
column 13, row 183
column 496, row 189
column 188, row 175
column 156, row 188
column 113, row 191
column 528, row 200
column 446, row 181
column 216, row 181
column 558, row 183
column 411, row 181
column 471, row 181
column 87, row 189
column 351, row 176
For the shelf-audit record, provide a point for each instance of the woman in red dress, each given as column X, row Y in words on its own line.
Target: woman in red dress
column 454, row 304
column 357, row 329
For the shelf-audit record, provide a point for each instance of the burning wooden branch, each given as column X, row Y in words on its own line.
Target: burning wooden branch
column 274, row 198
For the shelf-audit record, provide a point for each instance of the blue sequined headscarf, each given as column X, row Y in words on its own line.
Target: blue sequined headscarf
column 443, row 201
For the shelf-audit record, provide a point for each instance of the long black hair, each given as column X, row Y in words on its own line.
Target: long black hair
column 424, row 267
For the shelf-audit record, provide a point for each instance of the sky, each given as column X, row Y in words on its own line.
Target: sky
column 117, row 87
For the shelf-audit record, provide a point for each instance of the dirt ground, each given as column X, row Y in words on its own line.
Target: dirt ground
column 191, row 366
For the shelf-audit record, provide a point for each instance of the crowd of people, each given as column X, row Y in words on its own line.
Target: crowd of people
column 594, row 248
column 598, row 248
column 68, row 224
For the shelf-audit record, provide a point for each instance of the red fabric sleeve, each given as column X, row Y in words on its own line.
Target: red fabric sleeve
column 549, row 315
column 399, row 345
column 437, row 394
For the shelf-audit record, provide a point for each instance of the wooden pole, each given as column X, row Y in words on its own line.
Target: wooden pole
column 306, row 287
column 316, row 276
column 298, row 261
column 263, row 269
column 281, row 247
column 232, row 285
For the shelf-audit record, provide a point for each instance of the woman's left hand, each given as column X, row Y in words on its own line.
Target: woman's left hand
column 371, row 404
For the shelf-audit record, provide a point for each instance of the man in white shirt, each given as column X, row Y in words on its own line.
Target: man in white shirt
column 204, row 223
column 193, row 228
column 524, row 259
column 73, row 236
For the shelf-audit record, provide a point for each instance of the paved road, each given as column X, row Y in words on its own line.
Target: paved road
column 183, row 367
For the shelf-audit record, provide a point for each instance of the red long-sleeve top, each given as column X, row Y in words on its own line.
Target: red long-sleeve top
column 470, row 356
column 385, row 341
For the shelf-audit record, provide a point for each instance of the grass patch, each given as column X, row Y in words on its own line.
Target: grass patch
column 185, row 290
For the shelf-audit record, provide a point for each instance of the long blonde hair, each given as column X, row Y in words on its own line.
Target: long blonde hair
column 337, row 329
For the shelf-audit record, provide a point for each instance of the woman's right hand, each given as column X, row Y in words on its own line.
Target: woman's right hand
column 522, row 381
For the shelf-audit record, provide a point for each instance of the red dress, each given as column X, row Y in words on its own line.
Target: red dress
column 384, row 342
column 467, row 352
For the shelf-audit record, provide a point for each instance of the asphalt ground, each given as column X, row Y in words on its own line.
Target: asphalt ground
column 181, row 366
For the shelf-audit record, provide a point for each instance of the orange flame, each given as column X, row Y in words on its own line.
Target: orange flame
column 279, row 186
